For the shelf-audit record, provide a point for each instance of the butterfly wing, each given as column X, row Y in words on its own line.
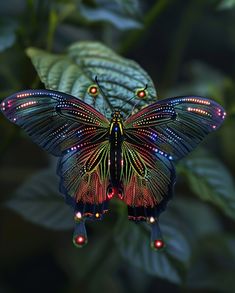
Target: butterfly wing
column 156, row 135
column 175, row 126
column 67, row 127
column 54, row 120
column 148, row 181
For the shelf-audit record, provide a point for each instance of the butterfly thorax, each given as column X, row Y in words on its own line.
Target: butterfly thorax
column 116, row 138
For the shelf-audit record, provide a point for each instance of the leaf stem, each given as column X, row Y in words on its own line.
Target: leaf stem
column 188, row 18
column 53, row 21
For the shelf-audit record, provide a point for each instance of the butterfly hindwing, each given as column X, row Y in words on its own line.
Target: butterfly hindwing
column 84, row 173
column 174, row 127
column 148, row 179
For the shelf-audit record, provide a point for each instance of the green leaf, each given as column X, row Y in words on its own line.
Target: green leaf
column 210, row 180
column 213, row 264
column 75, row 71
column 39, row 201
column 199, row 219
column 226, row 4
column 118, row 13
column 7, row 33
column 133, row 241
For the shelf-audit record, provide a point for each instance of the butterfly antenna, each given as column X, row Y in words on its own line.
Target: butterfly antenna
column 137, row 103
column 103, row 94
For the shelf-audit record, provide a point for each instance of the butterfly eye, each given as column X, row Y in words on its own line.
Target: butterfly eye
column 141, row 93
column 93, row 90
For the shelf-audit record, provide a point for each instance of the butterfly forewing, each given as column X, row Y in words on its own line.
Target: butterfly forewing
column 56, row 121
column 190, row 120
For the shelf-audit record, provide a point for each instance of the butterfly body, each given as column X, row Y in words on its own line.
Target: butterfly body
column 116, row 137
column 126, row 158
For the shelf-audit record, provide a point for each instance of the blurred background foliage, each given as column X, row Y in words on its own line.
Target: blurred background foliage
column 187, row 47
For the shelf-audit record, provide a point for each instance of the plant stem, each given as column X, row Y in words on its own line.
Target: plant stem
column 53, row 21
column 149, row 19
column 189, row 17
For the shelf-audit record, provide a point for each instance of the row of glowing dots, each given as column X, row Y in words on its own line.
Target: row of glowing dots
column 78, row 217
column 29, row 94
column 162, row 109
column 137, row 162
column 80, row 239
column 74, row 148
column 199, row 111
column 193, row 100
column 222, row 115
column 78, row 113
column 160, row 152
column 172, row 133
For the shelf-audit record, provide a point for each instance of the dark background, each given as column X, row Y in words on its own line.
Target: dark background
column 187, row 47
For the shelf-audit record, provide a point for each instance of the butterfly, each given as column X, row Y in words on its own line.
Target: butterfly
column 127, row 158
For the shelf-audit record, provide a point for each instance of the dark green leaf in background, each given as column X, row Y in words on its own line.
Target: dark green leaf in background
column 226, row 4
column 133, row 241
column 119, row 13
column 39, row 201
column 7, row 33
column 213, row 264
column 210, row 180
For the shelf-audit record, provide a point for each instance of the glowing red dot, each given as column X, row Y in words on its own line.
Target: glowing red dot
column 158, row 244
column 141, row 94
column 93, row 90
column 80, row 240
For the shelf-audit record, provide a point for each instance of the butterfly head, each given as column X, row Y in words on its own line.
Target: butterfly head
column 116, row 116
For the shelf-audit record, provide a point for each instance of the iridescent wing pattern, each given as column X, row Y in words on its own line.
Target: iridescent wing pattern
column 155, row 136
column 71, row 129
column 99, row 159
column 174, row 127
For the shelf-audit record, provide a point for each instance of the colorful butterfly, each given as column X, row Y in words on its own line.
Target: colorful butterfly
column 130, row 159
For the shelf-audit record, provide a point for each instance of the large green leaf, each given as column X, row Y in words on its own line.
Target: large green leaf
column 7, row 33
column 133, row 241
column 226, row 4
column 121, row 14
column 198, row 217
column 39, row 201
column 210, row 180
column 75, row 71
column 213, row 264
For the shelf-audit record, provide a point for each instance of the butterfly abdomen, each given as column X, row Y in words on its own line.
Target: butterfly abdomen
column 115, row 159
